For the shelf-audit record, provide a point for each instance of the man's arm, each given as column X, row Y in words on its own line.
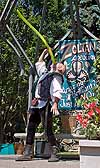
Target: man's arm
column 41, row 58
column 55, row 92
column 54, row 108
column 40, row 65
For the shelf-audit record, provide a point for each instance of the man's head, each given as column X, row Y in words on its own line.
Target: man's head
column 61, row 68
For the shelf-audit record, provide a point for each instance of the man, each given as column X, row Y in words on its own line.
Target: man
column 38, row 108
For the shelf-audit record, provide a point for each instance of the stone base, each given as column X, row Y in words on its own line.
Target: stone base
column 89, row 153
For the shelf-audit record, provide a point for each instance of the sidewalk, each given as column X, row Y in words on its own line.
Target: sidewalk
column 9, row 162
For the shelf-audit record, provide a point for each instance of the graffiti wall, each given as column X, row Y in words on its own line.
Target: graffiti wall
column 79, row 79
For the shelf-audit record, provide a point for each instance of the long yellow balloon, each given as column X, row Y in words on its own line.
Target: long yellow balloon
column 39, row 34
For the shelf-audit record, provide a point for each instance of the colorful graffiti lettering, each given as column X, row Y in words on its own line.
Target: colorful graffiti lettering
column 79, row 80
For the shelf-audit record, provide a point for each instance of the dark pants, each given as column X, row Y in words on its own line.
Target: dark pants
column 37, row 116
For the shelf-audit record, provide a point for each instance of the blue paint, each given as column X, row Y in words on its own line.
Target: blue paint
column 7, row 149
column 80, row 78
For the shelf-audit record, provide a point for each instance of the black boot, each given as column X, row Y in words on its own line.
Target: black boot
column 54, row 158
column 27, row 156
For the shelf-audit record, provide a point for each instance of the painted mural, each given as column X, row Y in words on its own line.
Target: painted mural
column 80, row 78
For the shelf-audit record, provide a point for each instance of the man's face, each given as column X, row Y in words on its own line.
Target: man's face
column 60, row 68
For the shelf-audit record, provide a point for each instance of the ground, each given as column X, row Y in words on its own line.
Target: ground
column 9, row 162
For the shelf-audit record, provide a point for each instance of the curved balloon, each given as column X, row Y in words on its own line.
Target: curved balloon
column 39, row 34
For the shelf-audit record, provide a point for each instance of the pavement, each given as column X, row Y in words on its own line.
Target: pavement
column 8, row 161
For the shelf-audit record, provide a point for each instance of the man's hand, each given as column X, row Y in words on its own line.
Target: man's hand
column 41, row 58
column 54, row 109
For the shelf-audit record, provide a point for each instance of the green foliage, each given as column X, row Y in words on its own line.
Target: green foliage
column 97, row 62
column 57, row 21
column 56, row 126
column 92, row 131
column 89, row 13
column 97, row 65
column 13, row 87
column 90, row 16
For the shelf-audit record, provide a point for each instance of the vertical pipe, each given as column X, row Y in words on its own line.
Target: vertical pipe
column 29, row 94
column 72, row 18
column 79, row 32
column 30, row 88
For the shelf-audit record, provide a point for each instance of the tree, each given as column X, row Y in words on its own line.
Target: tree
column 13, row 87
column 90, row 16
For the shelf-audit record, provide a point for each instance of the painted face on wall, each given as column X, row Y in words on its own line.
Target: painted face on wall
column 77, row 67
